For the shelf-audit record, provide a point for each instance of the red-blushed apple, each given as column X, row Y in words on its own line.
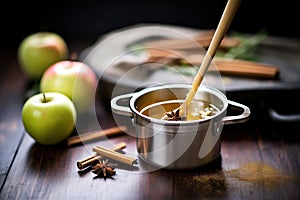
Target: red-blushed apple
column 38, row 51
column 49, row 118
column 74, row 79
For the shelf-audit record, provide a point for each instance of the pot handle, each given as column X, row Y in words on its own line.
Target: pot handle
column 277, row 117
column 238, row 118
column 119, row 109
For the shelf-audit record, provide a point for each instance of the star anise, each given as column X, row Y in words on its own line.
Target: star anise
column 174, row 116
column 104, row 168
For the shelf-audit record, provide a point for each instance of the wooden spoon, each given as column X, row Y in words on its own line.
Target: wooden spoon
column 225, row 21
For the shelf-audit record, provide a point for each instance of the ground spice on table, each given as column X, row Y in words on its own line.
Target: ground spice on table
column 214, row 183
column 258, row 173
column 206, row 184
column 210, row 184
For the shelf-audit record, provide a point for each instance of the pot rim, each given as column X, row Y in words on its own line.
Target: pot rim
column 207, row 88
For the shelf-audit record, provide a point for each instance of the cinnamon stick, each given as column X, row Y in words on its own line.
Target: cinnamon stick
column 114, row 155
column 199, row 40
column 91, row 160
column 236, row 67
column 249, row 68
column 96, row 135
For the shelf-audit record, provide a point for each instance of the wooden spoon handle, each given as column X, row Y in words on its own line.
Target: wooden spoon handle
column 225, row 21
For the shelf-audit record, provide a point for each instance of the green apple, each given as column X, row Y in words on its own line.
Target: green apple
column 49, row 118
column 38, row 51
column 74, row 79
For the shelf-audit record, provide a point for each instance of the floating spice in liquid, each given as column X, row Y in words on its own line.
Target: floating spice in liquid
column 199, row 109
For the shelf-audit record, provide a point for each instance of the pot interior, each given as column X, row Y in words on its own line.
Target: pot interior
column 155, row 102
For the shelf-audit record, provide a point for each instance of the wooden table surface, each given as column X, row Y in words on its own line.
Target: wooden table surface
column 269, row 153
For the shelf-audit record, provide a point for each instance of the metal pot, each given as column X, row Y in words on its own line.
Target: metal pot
column 177, row 144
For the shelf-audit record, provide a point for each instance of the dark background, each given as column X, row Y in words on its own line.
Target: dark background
column 90, row 18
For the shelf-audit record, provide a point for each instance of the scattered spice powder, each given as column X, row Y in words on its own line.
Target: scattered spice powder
column 258, row 173
column 213, row 183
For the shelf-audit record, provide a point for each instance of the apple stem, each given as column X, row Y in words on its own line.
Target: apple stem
column 73, row 56
column 44, row 98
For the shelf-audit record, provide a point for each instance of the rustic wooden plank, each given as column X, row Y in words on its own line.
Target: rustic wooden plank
column 50, row 172
column 240, row 146
column 211, row 181
column 12, row 84
column 244, row 147
column 281, row 150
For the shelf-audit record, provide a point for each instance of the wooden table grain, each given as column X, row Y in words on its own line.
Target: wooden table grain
column 32, row 171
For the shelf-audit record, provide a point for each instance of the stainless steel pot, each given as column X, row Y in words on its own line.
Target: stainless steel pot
column 177, row 144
